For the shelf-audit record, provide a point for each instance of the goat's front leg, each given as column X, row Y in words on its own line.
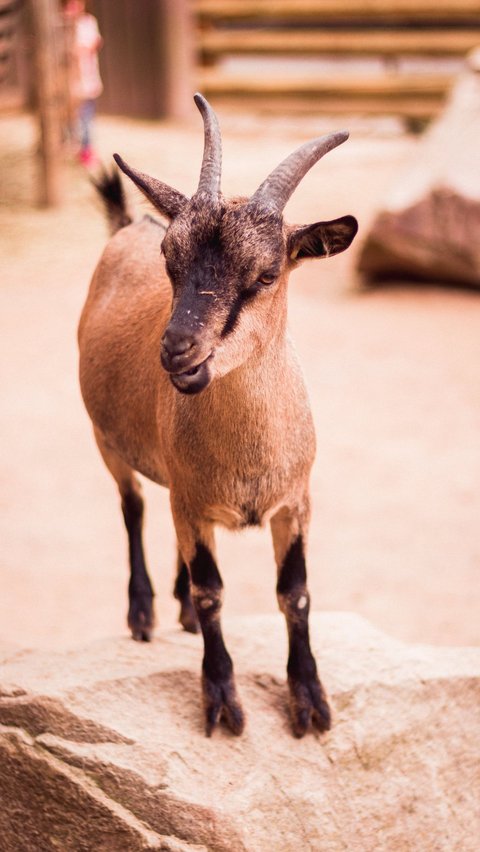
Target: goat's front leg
column 307, row 697
column 219, row 691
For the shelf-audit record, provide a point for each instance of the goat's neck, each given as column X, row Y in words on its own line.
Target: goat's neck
column 253, row 389
column 237, row 421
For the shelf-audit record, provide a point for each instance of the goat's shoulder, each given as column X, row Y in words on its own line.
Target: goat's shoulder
column 130, row 279
column 132, row 260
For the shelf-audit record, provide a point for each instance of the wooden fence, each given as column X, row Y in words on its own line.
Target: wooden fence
column 393, row 31
column 157, row 52
column 12, row 66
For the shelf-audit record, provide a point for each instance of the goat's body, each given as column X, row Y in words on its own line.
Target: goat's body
column 190, row 378
column 189, row 443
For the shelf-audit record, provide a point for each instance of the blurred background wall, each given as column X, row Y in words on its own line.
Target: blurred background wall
column 348, row 56
column 378, row 58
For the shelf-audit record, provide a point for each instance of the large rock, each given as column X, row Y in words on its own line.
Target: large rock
column 430, row 225
column 103, row 749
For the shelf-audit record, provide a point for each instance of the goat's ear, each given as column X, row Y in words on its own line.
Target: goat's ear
column 322, row 239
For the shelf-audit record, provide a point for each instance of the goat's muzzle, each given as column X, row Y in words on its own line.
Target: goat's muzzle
column 182, row 357
column 194, row 380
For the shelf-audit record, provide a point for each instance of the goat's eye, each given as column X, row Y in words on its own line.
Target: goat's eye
column 266, row 279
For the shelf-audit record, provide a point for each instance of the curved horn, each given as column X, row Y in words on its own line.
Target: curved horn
column 210, row 172
column 168, row 201
column 283, row 181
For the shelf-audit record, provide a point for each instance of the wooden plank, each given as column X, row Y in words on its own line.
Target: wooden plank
column 382, row 42
column 337, row 27
column 355, row 85
column 11, row 89
column 433, row 10
column 314, row 104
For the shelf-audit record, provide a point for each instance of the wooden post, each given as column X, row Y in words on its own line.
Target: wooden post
column 176, row 59
column 45, row 28
column 66, row 63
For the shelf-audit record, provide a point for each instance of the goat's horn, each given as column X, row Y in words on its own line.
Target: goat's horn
column 283, row 181
column 167, row 200
column 210, row 173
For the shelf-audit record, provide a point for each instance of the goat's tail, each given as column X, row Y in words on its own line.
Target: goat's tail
column 111, row 191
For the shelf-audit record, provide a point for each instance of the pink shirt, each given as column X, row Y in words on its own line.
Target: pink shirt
column 88, row 83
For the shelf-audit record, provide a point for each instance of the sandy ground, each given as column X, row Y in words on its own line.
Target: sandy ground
column 394, row 377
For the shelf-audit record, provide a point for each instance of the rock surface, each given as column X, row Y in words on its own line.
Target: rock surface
column 103, row 748
column 430, row 225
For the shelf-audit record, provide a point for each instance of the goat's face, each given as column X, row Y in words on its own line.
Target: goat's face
column 227, row 265
column 229, row 261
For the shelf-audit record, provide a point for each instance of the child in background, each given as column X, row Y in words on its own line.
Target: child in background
column 86, row 80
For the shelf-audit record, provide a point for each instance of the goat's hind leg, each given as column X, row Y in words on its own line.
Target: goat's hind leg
column 140, row 592
column 187, row 616
column 307, row 697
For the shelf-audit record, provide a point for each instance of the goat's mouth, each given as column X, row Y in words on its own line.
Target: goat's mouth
column 195, row 379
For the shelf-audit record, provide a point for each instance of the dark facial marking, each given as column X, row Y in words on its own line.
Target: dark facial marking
column 217, row 252
column 239, row 303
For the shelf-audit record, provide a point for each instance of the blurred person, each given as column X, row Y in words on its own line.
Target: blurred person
column 86, row 81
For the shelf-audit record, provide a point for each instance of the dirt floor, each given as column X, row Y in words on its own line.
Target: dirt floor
column 394, row 376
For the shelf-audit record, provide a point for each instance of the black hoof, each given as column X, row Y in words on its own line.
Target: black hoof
column 221, row 702
column 141, row 619
column 308, row 702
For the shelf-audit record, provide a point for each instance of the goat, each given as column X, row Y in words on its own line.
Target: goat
column 189, row 376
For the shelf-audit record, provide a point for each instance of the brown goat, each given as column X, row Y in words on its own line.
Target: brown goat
column 190, row 378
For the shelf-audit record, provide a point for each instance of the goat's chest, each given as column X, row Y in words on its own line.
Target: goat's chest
column 240, row 470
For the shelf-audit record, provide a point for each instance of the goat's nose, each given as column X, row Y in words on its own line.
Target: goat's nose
column 177, row 342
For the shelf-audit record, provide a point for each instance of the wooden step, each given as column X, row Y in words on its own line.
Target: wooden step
column 423, row 109
column 358, row 85
column 412, row 95
column 381, row 42
column 320, row 10
column 340, row 28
